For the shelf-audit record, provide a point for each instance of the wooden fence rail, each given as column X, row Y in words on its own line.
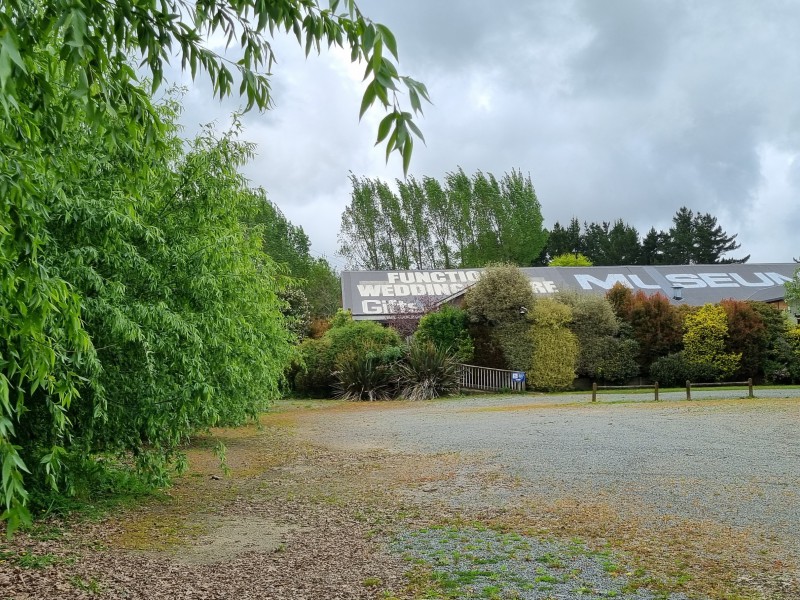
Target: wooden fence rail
column 473, row 377
column 689, row 386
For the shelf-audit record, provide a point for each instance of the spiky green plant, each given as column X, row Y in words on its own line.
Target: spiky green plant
column 426, row 372
column 361, row 377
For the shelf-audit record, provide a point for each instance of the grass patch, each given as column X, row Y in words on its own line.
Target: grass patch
column 489, row 565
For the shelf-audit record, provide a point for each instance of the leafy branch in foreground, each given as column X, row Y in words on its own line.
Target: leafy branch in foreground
column 92, row 43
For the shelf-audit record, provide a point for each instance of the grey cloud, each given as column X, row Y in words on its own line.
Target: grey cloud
column 629, row 45
column 618, row 109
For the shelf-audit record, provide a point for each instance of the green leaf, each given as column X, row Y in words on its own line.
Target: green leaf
column 385, row 126
column 158, row 75
column 8, row 45
column 390, row 145
column 377, row 56
column 5, row 69
column 408, row 148
column 415, row 129
column 413, row 96
column 368, row 38
column 388, row 39
column 367, row 99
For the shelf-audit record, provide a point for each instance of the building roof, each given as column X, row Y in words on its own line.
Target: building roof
column 376, row 294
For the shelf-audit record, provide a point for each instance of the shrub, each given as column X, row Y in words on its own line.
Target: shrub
column 361, row 337
column 594, row 323
column 447, row 329
column 656, row 326
column 295, row 311
column 704, row 339
column 675, row 369
column 591, row 315
column 341, row 318
column 515, row 341
column 570, row 260
column 747, row 335
column 671, row 370
column 783, row 366
column 609, row 359
column 777, row 357
column 499, row 295
column 487, row 349
column 362, row 377
column 555, row 348
column 318, row 327
column 426, row 372
column 311, row 375
column 315, row 375
column 620, row 297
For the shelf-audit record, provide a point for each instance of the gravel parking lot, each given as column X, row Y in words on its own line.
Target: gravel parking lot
column 733, row 461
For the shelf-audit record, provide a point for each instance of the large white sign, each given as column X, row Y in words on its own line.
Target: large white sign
column 374, row 293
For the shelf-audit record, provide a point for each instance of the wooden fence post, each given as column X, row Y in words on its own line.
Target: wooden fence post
column 656, row 388
column 594, row 392
column 688, row 390
column 750, row 387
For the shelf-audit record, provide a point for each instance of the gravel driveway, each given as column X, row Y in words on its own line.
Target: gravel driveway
column 734, row 461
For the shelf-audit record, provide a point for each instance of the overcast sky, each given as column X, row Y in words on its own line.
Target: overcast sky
column 616, row 108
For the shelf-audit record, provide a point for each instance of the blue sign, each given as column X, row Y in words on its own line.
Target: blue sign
column 518, row 377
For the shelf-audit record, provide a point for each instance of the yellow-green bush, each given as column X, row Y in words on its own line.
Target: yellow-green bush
column 555, row 348
column 705, row 332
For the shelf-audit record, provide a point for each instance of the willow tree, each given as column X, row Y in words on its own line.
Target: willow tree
column 67, row 79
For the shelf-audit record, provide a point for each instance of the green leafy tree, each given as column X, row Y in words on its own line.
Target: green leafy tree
column 506, row 219
column 567, row 240
column 177, row 299
column 607, row 244
column 289, row 246
column 793, row 292
column 295, row 311
column 91, row 44
column 360, row 234
column 698, row 239
column 414, row 208
column 705, row 334
column 440, row 214
column 653, row 248
column 322, row 288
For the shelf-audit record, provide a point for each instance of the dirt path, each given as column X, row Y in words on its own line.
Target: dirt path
column 328, row 500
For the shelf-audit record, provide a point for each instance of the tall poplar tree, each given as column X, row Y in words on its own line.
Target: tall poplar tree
column 467, row 222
